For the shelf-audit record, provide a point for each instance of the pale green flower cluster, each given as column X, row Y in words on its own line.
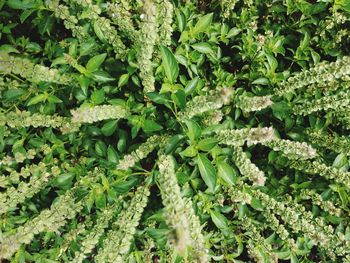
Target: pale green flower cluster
column 33, row 72
column 237, row 137
column 317, row 199
column 179, row 213
column 333, row 142
column 318, row 168
column 253, row 103
column 119, row 11
column 248, row 169
column 291, row 149
column 73, row 234
column 94, row 235
column 117, row 244
column 102, row 26
column 49, row 220
column 98, row 113
column 258, row 247
column 212, row 118
column 323, row 72
column 20, row 119
column 337, row 102
column 39, row 178
column 227, row 6
column 201, row 104
column 148, row 39
column 18, row 158
column 165, row 11
column 174, row 204
column 70, row 22
column 141, row 152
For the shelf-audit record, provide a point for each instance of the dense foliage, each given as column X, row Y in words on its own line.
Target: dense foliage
column 174, row 131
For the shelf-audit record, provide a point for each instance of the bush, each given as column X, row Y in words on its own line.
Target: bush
column 174, row 131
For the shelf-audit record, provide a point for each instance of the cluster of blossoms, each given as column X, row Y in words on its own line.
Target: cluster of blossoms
column 247, row 168
column 119, row 12
column 291, row 149
column 142, row 152
column 49, row 220
column 179, row 212
column 73, row 234
column 237, row 137
column 253, row 103
column 164, row 19
column 33, row 72
column 333, row 142
column 103, row 27
column 116, row 245
column 317, row 199
column 93, row 237
column 337, row 102
column 70, row 21
column 318, row 168
column 202, row 104
column 19, row 119
column 98, row 113
column 148, row 36
column 227, row 6
column 323, row 72
column 39, row 177
column 258, row 248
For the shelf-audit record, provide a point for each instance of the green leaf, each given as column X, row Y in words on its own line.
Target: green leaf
column 203, row 47
column 100, row 148
column 123, row 80
column 53, row 99
column 24, row 4
column 191, row 85
column 202, row 24
column 95, row 62
column 112, row 155
column 181, row 21
column 37, row 99
column 8, row 49
column 98, row 96
column 64, row 180
column 256, row 204
column 12, row 94
column 109, row 128
column 207, row 171
column 100, row 200
column 207, row 144
column 151, row 126
column 170, row 65
column 102, row 76
column 194, row 130
column 190, row 151
column 219, row 220
column 179, row 97
column 227, row 173
column 261, row 81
